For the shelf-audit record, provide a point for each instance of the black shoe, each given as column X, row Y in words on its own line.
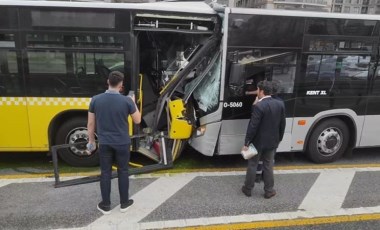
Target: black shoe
column 124, row 207
column 269, row 195
column 258, row 178
column 246, row 191
column 105, row 209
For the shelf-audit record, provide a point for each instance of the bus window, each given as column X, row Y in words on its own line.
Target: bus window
column 77, row 41
column 245, row 72
column 331, row 26
column 284, row 72
column 10, row 82
column 265, row 31
column 47, row 62
column 258, row 65
column 339, row 45
column 58, row 73
column 7, row 41
column 92, row 70
column 207, row 91
column 8, row 18
column 56, row 18
column 338, row 74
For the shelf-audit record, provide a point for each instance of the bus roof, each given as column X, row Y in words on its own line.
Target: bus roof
column 309, row 14
column 184, row 7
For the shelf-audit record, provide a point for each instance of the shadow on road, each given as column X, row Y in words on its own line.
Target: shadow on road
column 39, row 162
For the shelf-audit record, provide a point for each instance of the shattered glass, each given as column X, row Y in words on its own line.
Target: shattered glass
column 208, row 90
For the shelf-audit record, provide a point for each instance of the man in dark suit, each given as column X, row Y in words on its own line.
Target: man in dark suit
column 265, row 130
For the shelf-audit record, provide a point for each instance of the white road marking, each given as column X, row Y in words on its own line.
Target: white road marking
column 328, row 191
column 4, row 183
column 145, row 201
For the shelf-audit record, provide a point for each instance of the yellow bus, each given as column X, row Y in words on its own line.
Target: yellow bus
column 190, row 65
column 54, row 56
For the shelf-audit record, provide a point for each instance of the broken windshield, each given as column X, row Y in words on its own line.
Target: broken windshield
column 207, row 87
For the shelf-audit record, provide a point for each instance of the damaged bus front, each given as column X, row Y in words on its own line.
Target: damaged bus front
column 179, row 81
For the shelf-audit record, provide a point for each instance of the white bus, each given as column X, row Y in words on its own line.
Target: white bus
column 191, row 65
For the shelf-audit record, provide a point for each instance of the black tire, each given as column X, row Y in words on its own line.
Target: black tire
column 328, row 141
column 77, row 129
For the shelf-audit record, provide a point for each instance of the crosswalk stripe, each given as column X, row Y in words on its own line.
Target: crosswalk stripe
column 4, row 183
column 147, row 200
column 328, row 191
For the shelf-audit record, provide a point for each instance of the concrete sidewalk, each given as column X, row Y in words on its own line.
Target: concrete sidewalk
column 191, row 199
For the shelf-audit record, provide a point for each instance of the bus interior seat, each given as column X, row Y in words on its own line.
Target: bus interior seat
column 101, row 69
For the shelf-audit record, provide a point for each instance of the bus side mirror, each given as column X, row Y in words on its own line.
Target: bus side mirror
column 236, row 82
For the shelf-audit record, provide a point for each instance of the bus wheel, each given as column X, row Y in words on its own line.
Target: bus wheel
column 75, row 131
column 328, row 141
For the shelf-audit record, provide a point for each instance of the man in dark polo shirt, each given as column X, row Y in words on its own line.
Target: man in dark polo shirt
column 108, row 113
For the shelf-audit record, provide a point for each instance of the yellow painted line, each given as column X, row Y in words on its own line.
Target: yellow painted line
column 46, row 175
column 174, row 170
column 290, row 223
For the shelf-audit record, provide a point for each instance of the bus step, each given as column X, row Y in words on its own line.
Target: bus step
column 149, row 154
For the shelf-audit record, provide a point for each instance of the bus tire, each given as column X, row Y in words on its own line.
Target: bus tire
column 75, row 131
column 328, row 141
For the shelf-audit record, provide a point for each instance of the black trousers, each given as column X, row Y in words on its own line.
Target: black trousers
column 267, row 156
column 122, row 155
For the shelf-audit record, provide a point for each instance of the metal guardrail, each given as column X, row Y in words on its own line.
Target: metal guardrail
column 166, row 162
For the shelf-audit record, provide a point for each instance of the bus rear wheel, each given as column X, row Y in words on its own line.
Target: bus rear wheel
column 71, row 132
column 328, row 141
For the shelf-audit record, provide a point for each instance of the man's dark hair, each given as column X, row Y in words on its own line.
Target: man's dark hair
column 115, row 77
column 266, row 86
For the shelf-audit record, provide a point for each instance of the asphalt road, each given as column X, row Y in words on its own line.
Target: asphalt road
column 201, row 198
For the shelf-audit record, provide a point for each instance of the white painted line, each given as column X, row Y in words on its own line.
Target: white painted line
column 258, row 217
column 238, row 173
column 328, row 191
column 146, row 200
column 4, row 183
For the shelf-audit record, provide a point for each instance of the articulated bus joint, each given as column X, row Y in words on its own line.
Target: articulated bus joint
column 166, row 162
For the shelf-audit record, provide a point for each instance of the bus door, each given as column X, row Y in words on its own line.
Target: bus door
column 258, row 47
column 173, row 53
column 247, row 68
column 370, row 133
column 282, row 71
column 14, row 135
